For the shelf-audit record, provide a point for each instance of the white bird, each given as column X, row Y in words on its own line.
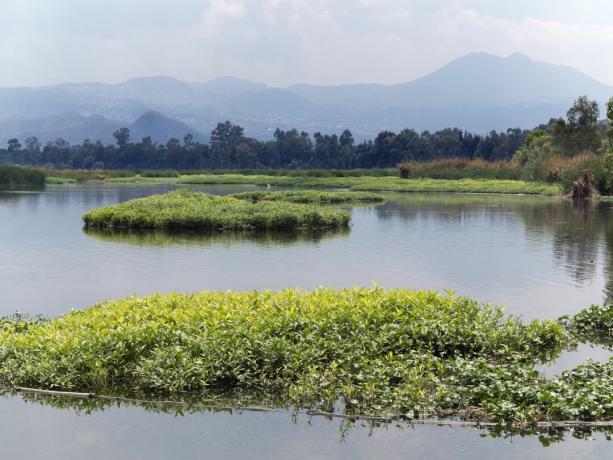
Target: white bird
column 267, row 185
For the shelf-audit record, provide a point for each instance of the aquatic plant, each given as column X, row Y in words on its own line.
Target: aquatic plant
column 190, row 210
column 380, row 352
column 311, row 196
column 594, row 325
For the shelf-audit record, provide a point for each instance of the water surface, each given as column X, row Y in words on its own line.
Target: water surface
column 540, row 257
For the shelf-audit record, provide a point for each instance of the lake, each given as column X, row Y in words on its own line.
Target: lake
column 538, row 256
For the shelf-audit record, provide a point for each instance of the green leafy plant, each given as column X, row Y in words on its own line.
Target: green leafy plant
column 381, row 352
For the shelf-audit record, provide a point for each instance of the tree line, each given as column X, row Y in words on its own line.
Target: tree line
column 229, row 148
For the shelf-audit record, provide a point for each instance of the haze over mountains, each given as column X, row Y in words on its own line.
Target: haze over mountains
column 478, row 92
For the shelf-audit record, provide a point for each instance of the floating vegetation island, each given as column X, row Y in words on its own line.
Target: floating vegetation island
column 382, row 184
column 190, row 210
column 391, row 353
column 311, row 196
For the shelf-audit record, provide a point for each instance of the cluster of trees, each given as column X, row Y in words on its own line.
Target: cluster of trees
column 565, row 148
column 580, row 133
column 229, row 148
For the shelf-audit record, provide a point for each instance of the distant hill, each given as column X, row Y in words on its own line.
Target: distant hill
column 161, row 128
column 478, row 92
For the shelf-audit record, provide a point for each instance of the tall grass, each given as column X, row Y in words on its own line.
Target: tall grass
column 381, row 352
column 189, row 210
column 12, row 177
column 456, row 168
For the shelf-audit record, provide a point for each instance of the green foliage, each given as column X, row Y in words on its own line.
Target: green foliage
column 396, row 184
column 579, row 133
column 381, row 352
column 594, row 325
column 189, row 210
column 12, row 177
column 311, row 196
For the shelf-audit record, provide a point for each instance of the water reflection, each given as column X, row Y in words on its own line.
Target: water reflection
column 581, row 233
column 164, row 238
column 546, row 435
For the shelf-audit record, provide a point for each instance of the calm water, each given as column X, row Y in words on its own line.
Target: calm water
column 539, row 257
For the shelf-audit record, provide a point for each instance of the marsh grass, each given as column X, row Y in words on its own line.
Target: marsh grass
column 457, row 168
column 380, row 352
column 311, row 196
column 382, row 184
column 17, row 177
column 190, row 210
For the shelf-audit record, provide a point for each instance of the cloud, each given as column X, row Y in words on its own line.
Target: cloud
column 234, row 8
column 288, row 41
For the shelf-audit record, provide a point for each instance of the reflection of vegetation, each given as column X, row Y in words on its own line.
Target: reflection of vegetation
column 593, row 325
column 190, row 210
column 547, row 435
column 581, row 232
column 160, row 238
column 382, row 353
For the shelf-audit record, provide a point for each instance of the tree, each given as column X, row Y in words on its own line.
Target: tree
column 583, row 112
column 122, row 136
column 610, row 117
column 188, row 140
column 14, row 145
column 32, row 144
column 579, row 133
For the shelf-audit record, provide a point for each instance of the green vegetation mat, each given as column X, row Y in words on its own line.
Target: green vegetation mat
column 374, row 351
column 311, row 196
column 189, row 210
column 396, row 184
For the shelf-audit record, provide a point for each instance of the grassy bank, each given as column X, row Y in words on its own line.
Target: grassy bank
column 16, row 177
column 189, row 210
column 311, row 196
column 381, row 352
column 395, row 184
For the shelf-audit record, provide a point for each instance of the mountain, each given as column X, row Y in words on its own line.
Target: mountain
column 478, row 92
column 475, row 80
column 161, row 128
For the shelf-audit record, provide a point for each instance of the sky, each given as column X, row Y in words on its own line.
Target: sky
column 281, row 42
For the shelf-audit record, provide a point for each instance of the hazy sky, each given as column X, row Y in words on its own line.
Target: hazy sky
column 290, row 41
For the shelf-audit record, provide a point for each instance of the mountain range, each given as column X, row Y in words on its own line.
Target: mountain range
column 478, row 92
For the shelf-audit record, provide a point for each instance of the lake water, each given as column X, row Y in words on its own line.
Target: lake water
column 540, row 257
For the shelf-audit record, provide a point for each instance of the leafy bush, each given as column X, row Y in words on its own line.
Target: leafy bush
column 189, row 210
